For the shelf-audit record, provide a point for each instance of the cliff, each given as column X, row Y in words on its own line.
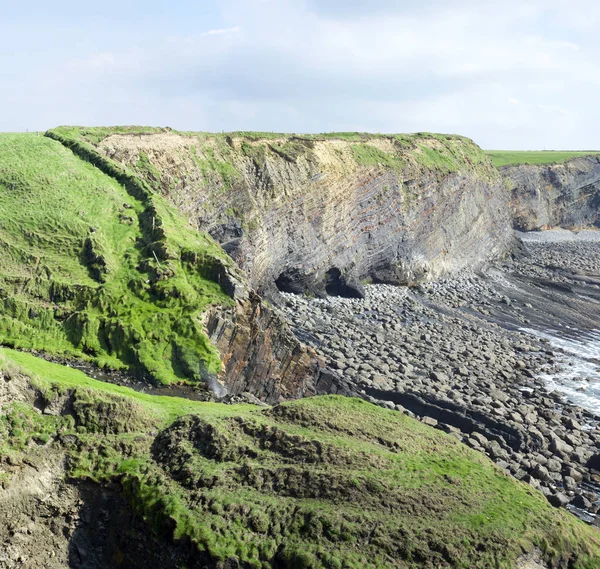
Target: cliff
column 563, row 195
column 321, row 213
column 97, row 266
column 123, row 278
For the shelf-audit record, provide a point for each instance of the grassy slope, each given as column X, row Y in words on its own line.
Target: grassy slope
column 90, row 270
column 321, row 482
column 509, row 157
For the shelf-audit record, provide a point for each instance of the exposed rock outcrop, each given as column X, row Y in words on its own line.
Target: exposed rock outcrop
column 323, row 213
column 555, row 195
column 260, row 354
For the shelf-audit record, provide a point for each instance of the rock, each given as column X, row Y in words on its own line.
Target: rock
column 594, row 462
column 582, row 503
column 574, row 474
column 481, row 439
column 559, row 500
column 541, row 472
column 429, row 421
column 554, row 465
column 439, row 376
column 499, row 396
column 558, row 446
column 569, row 483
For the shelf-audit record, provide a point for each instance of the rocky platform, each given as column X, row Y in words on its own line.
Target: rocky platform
column 454, row 353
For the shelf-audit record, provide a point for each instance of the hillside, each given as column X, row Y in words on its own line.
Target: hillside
column 92, row 270
column 323, row 212
column 321, row 482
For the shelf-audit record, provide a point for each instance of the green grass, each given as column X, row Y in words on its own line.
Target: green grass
column 511, row 157
column 368, row 155
column 166, row 409
column 222, row 169
column 320, row 482
column 219, row 171
column 97, row 266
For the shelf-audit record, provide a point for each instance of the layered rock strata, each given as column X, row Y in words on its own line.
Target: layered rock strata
column 322, row 214
column 261, row 355
column 556, row 195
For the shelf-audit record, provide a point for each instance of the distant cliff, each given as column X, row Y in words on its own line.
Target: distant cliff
column 557, row 195
column 322, row 213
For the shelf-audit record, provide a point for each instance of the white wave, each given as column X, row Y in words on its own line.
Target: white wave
column 579, row 376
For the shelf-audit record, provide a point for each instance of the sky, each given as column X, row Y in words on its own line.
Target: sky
column 510, row 75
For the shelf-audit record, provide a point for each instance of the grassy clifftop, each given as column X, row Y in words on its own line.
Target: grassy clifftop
column 322, row 482
column 96, row 266
column 514, row 157
column 223, row 155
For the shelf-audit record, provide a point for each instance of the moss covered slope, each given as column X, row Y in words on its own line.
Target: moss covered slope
column 96, row 266
column 320, row 482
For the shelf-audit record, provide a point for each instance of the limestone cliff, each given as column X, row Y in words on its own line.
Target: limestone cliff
column 556, row 195
column 321, row 213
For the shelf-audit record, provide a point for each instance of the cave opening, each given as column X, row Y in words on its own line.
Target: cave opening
column 290, row 281
column 336, row 285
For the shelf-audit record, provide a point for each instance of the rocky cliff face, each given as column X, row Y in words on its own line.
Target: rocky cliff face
column 323, row 213
column 314, row 214
column 262, row 356
column 185, row 310
column 557, row 195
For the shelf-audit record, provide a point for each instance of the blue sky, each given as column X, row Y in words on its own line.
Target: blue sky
column 515, row 74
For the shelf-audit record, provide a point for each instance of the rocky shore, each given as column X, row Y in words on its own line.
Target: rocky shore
column 453, row 354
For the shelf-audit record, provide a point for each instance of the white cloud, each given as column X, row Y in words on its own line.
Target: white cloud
column 554, row 109
column 223, row 31
column 316, row 65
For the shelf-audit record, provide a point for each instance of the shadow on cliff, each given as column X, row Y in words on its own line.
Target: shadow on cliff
column 108, row 535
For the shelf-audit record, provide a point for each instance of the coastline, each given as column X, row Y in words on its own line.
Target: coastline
column 468, row 355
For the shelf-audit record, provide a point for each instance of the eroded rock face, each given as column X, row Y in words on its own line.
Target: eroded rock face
column 321, row 215
column 261, row 355
column 556, row 195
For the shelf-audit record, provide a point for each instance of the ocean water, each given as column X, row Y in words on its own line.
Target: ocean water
column 579, row 375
